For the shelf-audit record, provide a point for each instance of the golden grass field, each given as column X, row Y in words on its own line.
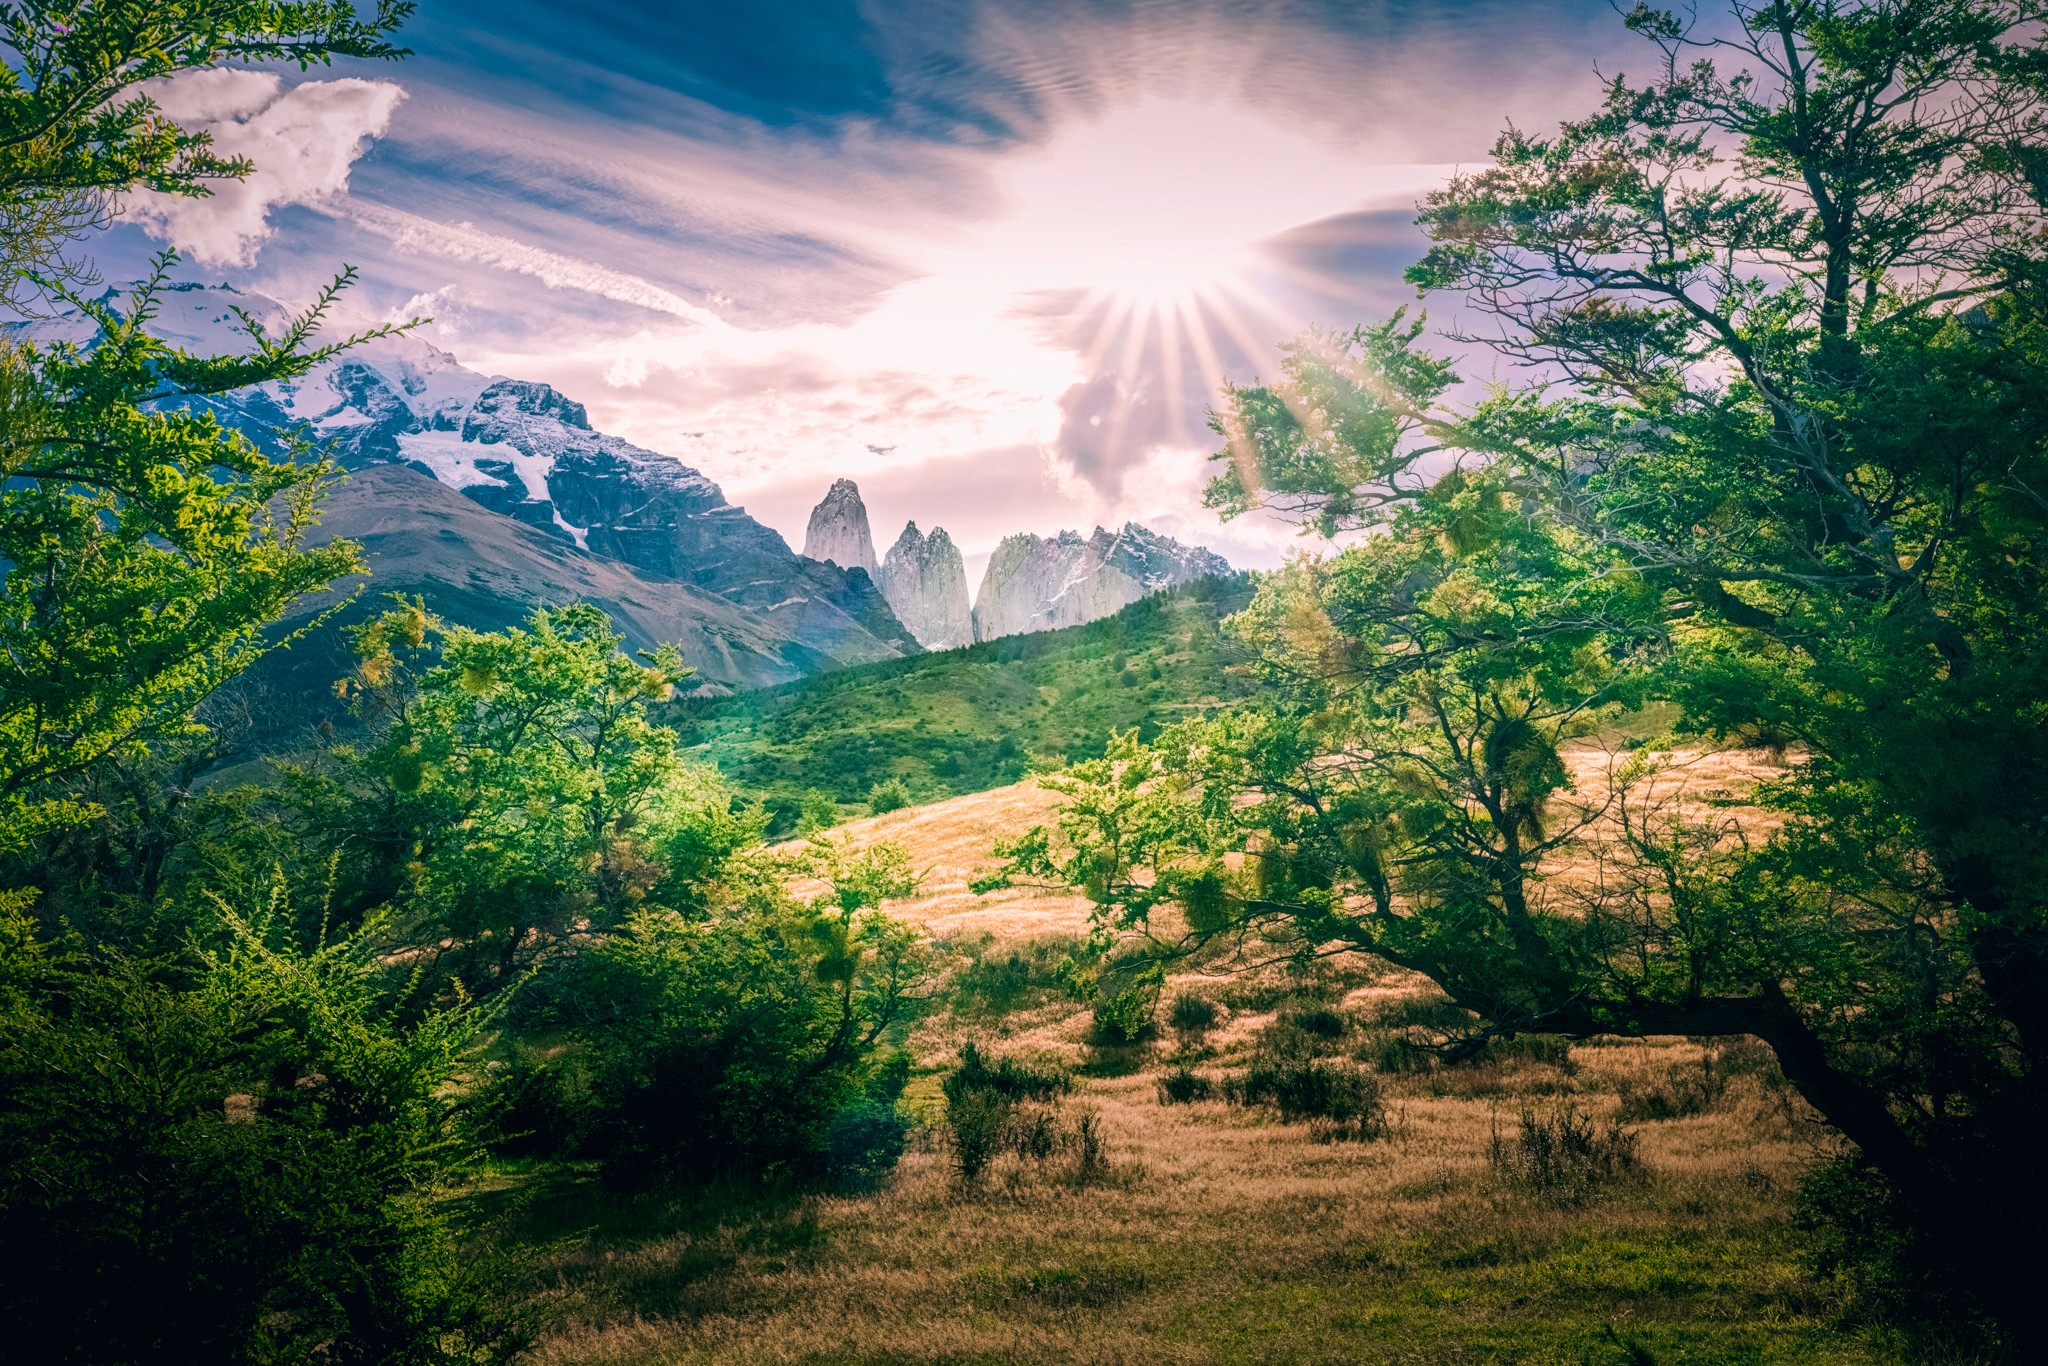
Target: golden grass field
column 1218, row 1233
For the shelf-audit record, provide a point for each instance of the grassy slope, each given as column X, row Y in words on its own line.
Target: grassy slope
column 971, row 719
column 1221, row 1235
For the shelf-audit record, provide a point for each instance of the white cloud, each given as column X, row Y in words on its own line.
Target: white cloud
column 468, row 243
column 303, row 140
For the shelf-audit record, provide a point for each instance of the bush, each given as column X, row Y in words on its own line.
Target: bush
column 1341, row 1099
column 1006, row 1079
column 1127, row 1016
column 817, row 812
column 891, row 794
column 232, row 1156
column 864, row 1142
column 1682, row 1093
column 1320, row 1021
column 978, row 1120
column 720, row 1049
column 1183, row 1085
column 536, row 1105
column 1193, row 1014
column 1562, row 1152
column 996, row 984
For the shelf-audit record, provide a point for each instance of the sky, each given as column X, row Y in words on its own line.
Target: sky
column 992, row 259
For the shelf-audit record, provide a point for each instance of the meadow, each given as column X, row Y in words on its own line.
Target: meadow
column 1215, row 1232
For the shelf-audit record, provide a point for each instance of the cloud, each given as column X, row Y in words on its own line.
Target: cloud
column 468, row 243
column 303, row 140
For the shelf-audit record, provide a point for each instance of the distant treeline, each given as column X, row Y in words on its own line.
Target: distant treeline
column 977, row 717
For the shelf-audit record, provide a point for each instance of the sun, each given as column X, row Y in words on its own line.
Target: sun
column 1151, row 223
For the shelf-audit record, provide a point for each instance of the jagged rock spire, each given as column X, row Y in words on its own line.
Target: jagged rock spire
column 925, row 582
column 1038, row 584
column 838, row 530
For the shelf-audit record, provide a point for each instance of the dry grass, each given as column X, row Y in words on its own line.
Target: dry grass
column 1222, row 1235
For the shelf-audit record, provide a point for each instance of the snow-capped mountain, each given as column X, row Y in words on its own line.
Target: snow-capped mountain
column 524, row 451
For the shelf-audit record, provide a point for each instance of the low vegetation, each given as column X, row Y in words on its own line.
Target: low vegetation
column 970, row 719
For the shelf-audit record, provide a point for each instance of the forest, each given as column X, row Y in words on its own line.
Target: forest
column 1587, row 909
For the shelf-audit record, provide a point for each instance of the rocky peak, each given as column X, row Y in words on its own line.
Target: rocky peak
column 838, row 530
column 1037, row 583
column 925, row 582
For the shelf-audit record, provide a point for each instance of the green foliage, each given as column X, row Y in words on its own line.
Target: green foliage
column 864, row 1142
column 1126, row 1017
column 234, row 1152
column 1007, row 1078
column 970, row 719
column 1787, row 483
column 891, row 794
column 77, row 127
column 1005, row 1105
column 147, row 548
column 517, row 795
column 1193, row 1014
column 818, row 812
column 1182, row 1085
column 740, row 1044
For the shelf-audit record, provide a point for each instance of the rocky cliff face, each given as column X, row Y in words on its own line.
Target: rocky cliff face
column 926, row 585
column 1039, row 584
column 528, row 453
column 838, row 532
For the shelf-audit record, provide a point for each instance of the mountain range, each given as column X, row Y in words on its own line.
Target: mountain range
column 487, row 496
column 1033, row 583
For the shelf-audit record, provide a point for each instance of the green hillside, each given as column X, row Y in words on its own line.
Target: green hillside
column 977, row 717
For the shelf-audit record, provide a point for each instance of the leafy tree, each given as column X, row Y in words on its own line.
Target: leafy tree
column 516, row 793
column 1782, row 472
column 78, row 125
column 146, row 547
column 730, row 1045
column 890, row 794
column 231, row 1154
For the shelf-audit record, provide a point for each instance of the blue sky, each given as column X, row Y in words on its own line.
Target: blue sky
column 987, row 257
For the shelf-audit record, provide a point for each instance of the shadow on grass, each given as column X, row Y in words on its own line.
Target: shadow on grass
column 654, row 1252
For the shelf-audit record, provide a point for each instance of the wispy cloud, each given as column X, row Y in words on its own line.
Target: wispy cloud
column 468, row 243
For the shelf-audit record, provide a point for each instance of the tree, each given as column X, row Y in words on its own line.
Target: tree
column 146, row 547
column 233, row 1154
column 733, row 1043
column 516, row 794
column 1781, row 470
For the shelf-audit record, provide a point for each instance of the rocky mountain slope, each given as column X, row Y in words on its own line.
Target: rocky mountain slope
column 1036, row 583
column 925, row 581
column 838, row 530
column 572, row 508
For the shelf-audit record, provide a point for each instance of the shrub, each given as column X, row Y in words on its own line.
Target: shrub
column 1193, row 1014
column 1091, row 1151
column 864, row 1142
column 1562, row 1152
column 1007, row 1079
column 234, row 1155
column 721, row 1049
column 891, row 794
column 978, row 1120
column 1682, row 1093
column 1183, row 1085
column 1127, row 1016
column 1341, row 1099
column 817, row 812
column 995, row 984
